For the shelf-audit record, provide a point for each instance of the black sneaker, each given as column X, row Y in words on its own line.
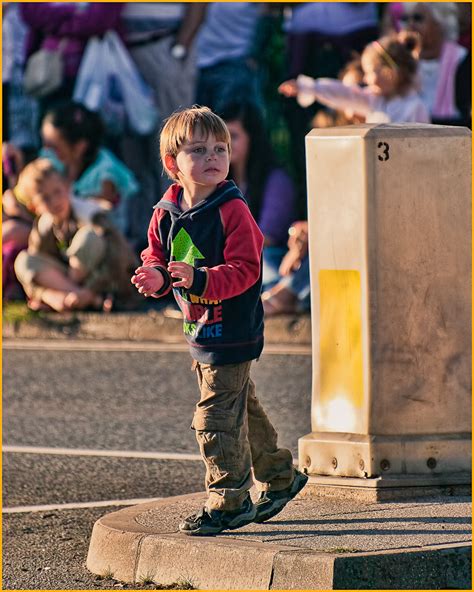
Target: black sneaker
column 209, row 522
column 270, row 503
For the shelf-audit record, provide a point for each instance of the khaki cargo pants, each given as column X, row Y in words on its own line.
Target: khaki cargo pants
column 235, row 436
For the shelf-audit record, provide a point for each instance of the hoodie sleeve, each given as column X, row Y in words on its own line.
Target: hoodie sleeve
column 242, row 255
column 154, row 254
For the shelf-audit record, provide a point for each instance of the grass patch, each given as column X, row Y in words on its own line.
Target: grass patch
column 182, row 584
column 185, row 584
column 17, row 312
column 147, row 578
column 106, row 576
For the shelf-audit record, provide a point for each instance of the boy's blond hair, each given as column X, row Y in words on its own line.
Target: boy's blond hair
column 181, row 126
column 31, row 179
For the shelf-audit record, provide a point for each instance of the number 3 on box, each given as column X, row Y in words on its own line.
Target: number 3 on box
column 385, row 151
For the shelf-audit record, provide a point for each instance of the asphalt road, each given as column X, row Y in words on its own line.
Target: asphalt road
column 70, row 420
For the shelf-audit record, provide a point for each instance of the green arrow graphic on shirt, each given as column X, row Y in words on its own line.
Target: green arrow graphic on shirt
column 183, row 248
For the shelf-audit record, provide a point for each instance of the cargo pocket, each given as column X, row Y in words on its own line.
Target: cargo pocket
column 231, row 377
column 224, row 452
column 206, row 420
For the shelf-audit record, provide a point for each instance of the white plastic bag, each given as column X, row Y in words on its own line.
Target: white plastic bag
column 142, row 115
column 91, row 78
column 109, row 82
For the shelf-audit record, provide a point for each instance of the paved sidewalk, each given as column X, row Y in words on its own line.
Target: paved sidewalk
column 312, row 544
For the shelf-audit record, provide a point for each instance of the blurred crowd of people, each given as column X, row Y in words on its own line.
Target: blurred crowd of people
column 81, row 165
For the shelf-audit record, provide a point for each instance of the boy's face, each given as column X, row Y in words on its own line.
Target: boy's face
column 201, row 161
column 54, row 198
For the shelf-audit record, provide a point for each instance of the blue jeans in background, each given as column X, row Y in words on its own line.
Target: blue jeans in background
column 272, row 257
column 227, row 82
column 298, row 283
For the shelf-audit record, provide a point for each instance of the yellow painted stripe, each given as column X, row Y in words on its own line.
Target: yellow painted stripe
column 341, row 372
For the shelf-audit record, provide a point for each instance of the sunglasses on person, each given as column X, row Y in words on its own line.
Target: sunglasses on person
column 416, row 18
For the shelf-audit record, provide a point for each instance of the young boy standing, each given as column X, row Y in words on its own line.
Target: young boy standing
column 204, row 243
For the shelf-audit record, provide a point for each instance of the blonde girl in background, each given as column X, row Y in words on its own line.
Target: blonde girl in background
column 390, row 75
column 76, row 258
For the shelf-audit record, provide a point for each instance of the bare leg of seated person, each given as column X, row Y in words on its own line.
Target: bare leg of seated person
column 82, row 298
column 61, row 293
column 61, row 301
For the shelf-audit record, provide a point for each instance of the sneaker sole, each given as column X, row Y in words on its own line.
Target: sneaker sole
column 280, row 504
column 208, row 530
column 243, row 519
column 237, row 522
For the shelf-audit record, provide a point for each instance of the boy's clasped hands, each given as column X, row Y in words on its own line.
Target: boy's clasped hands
column 149, row 280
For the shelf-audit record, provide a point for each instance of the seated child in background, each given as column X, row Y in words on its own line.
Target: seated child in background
column 390, row 73
column 291, row 294
column 204, row 243
column 75, row 255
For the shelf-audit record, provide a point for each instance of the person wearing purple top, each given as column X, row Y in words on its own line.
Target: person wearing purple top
column 69, row 23
column 266, row 186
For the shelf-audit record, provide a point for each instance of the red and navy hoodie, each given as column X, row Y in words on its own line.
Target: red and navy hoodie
column 222, row 310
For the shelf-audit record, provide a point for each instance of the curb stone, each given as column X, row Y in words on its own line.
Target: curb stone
column 136, row 326
column 127, row 544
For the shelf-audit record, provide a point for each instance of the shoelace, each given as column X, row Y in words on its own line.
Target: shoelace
column 202, row 512
column 199, row 515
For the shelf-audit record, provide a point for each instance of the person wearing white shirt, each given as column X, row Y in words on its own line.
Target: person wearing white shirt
column 444, row 65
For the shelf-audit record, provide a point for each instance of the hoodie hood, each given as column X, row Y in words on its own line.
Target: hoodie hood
column 224, row 192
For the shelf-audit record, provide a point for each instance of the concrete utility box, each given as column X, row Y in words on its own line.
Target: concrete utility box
column 390, row 252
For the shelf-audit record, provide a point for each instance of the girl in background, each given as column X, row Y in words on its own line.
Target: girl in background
column 390, row 75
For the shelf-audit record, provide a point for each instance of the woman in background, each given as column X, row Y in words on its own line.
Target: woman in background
column 444, row 65
column 72, row 137
column 267, row 187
